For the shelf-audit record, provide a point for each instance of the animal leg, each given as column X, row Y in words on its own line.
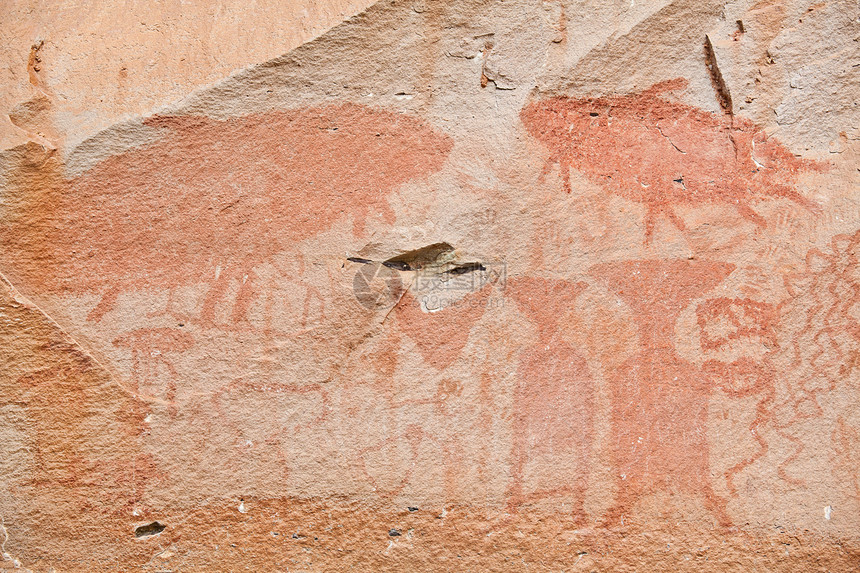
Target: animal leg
column 628, row 494
column 581, row 484
column 564, row 167
column 553, row 159
column 650, row 221
column 715, row 504
column 667, row 86
column 244, row 298
column 580, row 517
column 310, row 292
column 747, row 213
column 676, row 220
column 105, row 305
column 515, row 492
column 213, row 297
column 168, row 310
column 792, row 194
column 137, row 367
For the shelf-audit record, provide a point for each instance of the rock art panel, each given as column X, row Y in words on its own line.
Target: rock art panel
column 210, row 200
column 663, row 153
column 258, row 334
column 186, row 246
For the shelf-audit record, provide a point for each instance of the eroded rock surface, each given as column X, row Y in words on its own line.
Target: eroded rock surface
column 456, row 286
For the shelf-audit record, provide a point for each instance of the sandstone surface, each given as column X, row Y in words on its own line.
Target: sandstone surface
column 534, row 285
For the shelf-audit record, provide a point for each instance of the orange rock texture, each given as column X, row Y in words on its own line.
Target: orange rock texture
column 535, row 285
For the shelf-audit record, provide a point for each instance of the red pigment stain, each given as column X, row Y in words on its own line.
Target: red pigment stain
column 659, row 414
column 153, row 372
column 742, row 378
column 440, row 336
column 846, row 455
column 821, row 322
column 78, row 471
column 375, row 465
column 553, row 398
column 661, row 153
column 721, row 322
column 212, row 199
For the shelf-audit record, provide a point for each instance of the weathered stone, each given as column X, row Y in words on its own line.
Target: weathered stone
column 455, row 286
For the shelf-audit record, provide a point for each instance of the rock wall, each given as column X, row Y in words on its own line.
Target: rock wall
column 71, row 69
column 457, row 285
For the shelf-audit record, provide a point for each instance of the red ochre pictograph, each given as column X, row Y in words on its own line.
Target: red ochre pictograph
column 820, row 350
column 154, row 374
column 659, row 401
column 723, row 323
column 440, row 336
column 211, row 199
column 663, row 154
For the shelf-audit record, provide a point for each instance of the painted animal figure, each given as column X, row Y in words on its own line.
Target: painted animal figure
column 211, row 199
column 662, row 153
